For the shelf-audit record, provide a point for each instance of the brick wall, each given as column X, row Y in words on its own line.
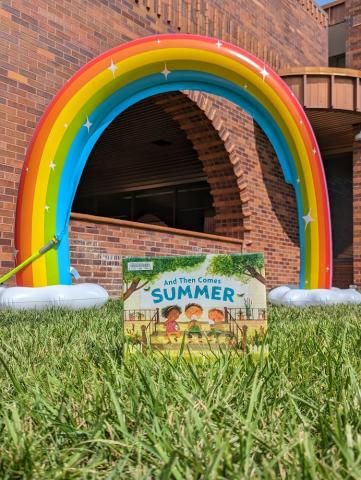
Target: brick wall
column 357, row 213
column 43, row 43
column 353, row 60
column 97, row 249
column 353, row 36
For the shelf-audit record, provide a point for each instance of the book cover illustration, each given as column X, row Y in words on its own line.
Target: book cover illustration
column 196, row 302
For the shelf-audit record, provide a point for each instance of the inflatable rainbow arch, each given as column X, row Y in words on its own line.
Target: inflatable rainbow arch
column 112, row 82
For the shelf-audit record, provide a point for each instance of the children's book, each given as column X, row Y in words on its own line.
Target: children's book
column 195, row 303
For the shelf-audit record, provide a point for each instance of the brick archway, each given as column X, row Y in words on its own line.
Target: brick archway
column 196, row 116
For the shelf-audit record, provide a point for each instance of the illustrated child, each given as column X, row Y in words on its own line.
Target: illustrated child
column 171, row 314
column 215, row 317
column 193, row 312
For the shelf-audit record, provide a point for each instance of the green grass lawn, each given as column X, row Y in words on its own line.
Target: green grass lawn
column 71, row 408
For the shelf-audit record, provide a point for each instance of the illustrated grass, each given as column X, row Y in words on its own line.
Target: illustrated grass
column 70, row 407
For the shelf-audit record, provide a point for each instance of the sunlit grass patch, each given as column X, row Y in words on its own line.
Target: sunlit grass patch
column 70, row 407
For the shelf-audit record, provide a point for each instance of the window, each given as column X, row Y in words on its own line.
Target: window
column 338, row 61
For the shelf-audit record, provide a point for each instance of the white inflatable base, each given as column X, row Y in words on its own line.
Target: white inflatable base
column 74, row 297
column 296, row 297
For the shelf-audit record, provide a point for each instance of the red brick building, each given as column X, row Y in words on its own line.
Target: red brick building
column 183, row 172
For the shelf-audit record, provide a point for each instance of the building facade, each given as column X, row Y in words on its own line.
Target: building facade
column 184, row 172
column 344, row 33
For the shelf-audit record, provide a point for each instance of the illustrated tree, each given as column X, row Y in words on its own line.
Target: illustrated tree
column 137, row 279
column 242, row 266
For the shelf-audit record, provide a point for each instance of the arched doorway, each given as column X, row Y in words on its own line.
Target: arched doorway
column 162, row 162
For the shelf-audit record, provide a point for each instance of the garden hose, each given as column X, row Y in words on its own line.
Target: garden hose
column 48, row 246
